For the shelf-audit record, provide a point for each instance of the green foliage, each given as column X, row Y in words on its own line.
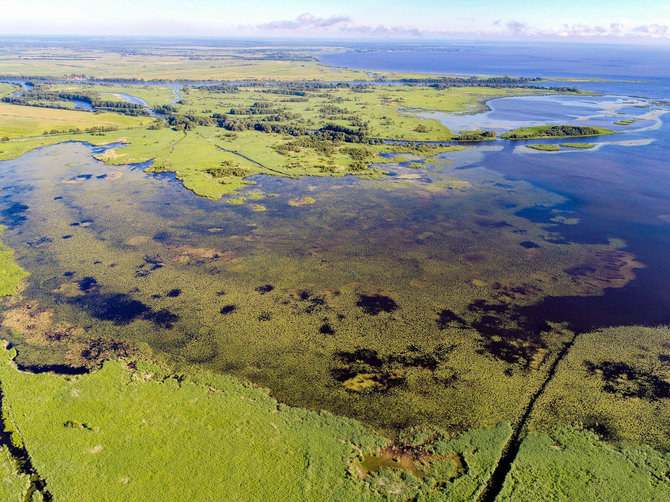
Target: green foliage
column 585, row 146
column 556, row 131
column 573, row 464
column 476, row 136
column 14, row 485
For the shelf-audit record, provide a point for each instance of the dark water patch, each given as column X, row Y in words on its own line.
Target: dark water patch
column 39, row 242
column 14, row 215
column 491, row 224
column 265, row 288
column 227, row 309
column 173, row 293
column 58, row 198
column 303, row 295
column 68, row 274
column 626, row 381
column 150, row 264
column 529, row 244
column 162, row 236
column 602, row 426
column 326, row 329
column 163, row 318
column 97, row 262
column 314, row 303
column 374, row 304
column 75, row 224
column 60, row 369
column 68, row 236
column 98, row 350
column 89, row 285
column 507, row 334
column 118, row 308
column 447, row 318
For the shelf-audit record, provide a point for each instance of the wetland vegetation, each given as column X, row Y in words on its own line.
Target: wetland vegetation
column 366, row 268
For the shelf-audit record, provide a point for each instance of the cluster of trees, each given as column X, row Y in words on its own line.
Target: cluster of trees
column 552, row 131
column 227, row 169
column 476, row 136
column 165, row 109
column 186, row 122
column 95, row 130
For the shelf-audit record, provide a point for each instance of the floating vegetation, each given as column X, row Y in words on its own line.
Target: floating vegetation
column 604, row 269
column 301, row 202
column 626, row 381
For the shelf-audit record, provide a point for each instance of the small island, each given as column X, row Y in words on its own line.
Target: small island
column 555, row 131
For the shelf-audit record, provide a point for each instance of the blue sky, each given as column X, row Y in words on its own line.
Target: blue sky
column 597, row 20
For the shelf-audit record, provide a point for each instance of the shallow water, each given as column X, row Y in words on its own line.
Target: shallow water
column 388, row 300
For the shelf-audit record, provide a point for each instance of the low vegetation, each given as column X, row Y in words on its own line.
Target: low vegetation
column 544, row 147
column 585, row 146
column 570, row 463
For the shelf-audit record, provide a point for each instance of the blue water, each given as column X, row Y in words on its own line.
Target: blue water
column 612, row 62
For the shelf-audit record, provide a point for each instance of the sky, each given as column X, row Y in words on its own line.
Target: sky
column 571, row 20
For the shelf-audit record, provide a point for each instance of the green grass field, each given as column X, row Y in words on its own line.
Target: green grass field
column 21, row 121
column 572, row 464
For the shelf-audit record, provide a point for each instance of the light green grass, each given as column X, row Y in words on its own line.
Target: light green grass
column 571, row 464
column 544, row 147
column 17, row 121
column 14, row 486
column 11, row 273
column 584, row 146
column 128, row 434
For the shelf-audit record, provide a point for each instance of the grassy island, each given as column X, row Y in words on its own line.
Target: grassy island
column 584, row 146
column 544, row 147
column 555, row 131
